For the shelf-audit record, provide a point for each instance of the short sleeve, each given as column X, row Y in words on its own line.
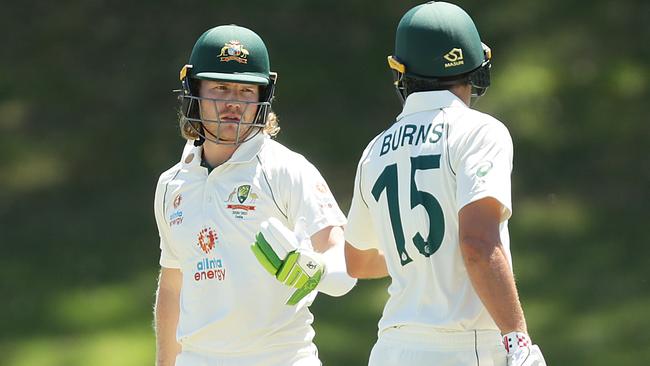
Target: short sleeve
column 168, row 258
column 311, row 198
column 484, row 165
column 360, row 231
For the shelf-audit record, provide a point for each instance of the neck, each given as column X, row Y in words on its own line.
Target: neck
column 217, row 154
column 463, row 91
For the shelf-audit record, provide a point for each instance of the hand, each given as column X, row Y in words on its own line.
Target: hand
column 521, row 350
column 281, row 254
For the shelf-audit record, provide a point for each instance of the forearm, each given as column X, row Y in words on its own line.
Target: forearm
column 166, row 322
column 365, row 264
column 493, row 281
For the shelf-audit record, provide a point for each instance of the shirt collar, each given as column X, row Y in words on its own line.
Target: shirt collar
column 426, row 101
column 249, row 149
column 191, row 154
column 245, row 152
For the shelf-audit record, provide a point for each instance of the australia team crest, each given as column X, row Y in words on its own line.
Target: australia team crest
column 242, row 192
column 242, row 201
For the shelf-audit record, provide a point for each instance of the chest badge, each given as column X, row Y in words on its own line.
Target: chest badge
column 242, row 201
column 207, row 239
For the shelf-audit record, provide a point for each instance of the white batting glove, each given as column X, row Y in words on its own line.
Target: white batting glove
column 521, row 350
column 293, row 263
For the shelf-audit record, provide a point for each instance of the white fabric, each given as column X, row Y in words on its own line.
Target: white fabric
column 475, row 161
column 415, row 346
column 207, row 223
column 279, row 237
column 285, row 356
column 527, row 356
column 336, row 281
column 521, row 350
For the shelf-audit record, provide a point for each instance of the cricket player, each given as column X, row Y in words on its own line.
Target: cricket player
column 431, row 206
column 249, row 230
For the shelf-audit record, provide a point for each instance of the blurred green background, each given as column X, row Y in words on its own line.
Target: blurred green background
column 87, row 123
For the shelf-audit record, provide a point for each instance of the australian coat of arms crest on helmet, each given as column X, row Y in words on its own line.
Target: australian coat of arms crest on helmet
column 234, row 51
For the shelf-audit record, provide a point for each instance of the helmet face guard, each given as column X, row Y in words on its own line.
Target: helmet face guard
column 245, row 130
column 479, row 79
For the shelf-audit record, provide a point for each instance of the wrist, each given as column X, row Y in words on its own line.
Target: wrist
column 515, row 340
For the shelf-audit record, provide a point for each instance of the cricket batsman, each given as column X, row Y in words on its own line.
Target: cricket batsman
column 431, row 206
column 249, row 231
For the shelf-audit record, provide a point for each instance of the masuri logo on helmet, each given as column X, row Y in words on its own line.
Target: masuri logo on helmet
column 455, row 57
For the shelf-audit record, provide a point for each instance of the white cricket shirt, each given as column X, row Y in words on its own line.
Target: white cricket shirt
column 410, row 184
column 207, row 224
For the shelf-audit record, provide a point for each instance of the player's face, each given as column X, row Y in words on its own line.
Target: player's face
column 231, row 106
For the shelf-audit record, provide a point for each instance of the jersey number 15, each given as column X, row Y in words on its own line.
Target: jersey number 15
column 388, row 181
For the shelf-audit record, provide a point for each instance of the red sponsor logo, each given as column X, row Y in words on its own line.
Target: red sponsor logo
column 241, row 207
column 210, row 269
column 207, row 240
column 322, row 188
column 177, row 201
column 211, row 274
column 176, row 221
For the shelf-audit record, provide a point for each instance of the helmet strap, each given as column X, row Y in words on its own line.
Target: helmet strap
column 398, row 82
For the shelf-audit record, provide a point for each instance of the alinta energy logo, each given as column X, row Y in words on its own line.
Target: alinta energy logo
column 241, row 201
column 455, row 57
column 210, row 269
column 234, row 51
column 176, row 218
column 207, row 240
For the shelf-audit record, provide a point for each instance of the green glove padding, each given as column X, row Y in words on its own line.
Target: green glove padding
column 301, row 269
column 266, row 255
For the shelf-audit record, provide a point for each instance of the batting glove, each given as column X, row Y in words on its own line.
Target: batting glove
column 521, row 350
column 279, row 251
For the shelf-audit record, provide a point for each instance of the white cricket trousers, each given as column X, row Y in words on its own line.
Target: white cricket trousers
column 417, row 347
column 307, row 356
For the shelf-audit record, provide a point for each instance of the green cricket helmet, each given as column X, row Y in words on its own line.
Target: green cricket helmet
column 439, row 42
column 227, row 53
